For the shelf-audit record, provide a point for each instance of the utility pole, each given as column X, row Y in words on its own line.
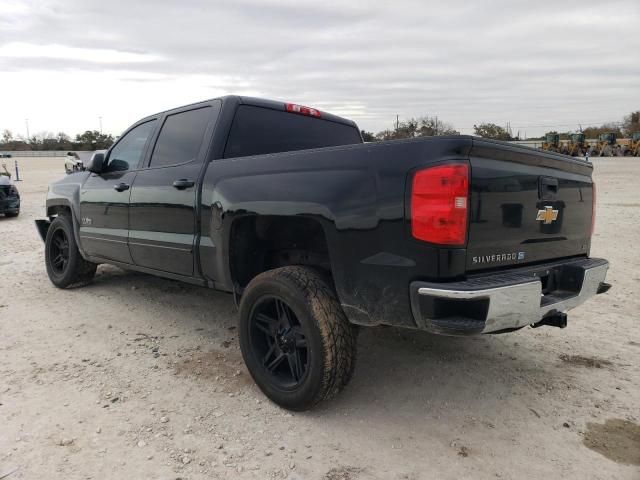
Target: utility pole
column 436, row 125
column 100, row 118
column 26, row 121
column 397, row 123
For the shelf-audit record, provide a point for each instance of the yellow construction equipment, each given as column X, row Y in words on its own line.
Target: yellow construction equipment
column 632, row 148
column 552, row 143
column 606, row 146
column 577, row 146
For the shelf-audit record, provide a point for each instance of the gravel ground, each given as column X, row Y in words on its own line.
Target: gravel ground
column 140, row 377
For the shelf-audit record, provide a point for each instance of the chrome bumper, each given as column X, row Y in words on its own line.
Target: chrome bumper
column 497, row 302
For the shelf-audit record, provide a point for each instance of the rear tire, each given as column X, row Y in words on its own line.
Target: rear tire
column 65, row 266
column 295, row 339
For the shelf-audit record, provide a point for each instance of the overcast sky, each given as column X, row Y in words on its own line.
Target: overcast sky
column 536, row 64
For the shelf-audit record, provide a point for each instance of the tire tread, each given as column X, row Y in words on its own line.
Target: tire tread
column 337, row 333
column 83, row 271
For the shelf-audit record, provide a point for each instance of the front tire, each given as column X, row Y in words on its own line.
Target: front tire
column 65, row 266
column 295, row 339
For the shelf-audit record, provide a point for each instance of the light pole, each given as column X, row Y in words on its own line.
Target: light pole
column 26, row 121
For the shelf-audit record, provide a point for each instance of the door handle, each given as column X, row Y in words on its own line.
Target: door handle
column 183, row 183
column 121, row 187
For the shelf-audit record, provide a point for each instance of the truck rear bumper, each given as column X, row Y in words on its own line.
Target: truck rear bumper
column 497, row 302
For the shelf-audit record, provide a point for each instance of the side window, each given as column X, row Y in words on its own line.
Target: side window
column 127, row 153
column 180, row 138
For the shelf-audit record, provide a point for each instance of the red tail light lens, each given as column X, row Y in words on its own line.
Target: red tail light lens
column 302, row 110
column 593, row 208
column 439, row 198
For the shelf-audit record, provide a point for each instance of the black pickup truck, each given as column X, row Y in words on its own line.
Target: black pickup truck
column 315, row 232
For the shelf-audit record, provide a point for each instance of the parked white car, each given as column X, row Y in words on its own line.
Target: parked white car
column 72, row 163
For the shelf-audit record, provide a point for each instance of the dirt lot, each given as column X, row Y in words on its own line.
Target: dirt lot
column 139, row 377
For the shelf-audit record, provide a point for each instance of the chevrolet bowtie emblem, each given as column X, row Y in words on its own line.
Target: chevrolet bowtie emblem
column 547, row 215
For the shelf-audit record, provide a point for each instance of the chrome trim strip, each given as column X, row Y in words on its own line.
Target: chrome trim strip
column 101, row 239
column 155, row 245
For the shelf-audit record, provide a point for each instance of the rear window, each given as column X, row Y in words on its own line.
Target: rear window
column 257, row 130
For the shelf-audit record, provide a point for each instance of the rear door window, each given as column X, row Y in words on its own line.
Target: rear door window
column 180, row 138
column 258, row 130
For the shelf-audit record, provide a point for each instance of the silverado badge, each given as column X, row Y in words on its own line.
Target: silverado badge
column 547, row 215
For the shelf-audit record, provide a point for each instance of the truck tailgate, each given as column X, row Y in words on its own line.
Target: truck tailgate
column 526, row 206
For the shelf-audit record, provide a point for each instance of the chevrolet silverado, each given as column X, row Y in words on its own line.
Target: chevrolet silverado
column 315, row 232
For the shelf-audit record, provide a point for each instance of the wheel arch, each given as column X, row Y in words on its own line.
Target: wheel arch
column 62, row 206
column 258, row 243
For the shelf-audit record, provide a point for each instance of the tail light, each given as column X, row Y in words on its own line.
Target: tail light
column 593, row 208
column 439, row 204
column 302, row 110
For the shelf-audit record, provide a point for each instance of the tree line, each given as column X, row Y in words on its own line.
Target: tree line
column 424, row 126
column 89, row 140
column 431, row 126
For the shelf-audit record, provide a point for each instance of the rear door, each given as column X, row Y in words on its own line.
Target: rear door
column 526, row 206
column 104, row 198
column 162, row 219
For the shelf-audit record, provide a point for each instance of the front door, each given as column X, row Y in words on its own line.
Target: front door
column 162, row 218
column 104, row 198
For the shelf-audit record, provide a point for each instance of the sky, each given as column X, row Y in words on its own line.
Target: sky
column 74, row 65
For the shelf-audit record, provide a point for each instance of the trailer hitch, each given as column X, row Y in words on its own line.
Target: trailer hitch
column 555, row 319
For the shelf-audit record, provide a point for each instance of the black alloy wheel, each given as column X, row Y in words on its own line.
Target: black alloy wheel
column 279, row 341
column 59, row 251
column 65, row 265
column 295, row 339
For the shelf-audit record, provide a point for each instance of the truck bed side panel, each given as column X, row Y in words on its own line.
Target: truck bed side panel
column 357, row 193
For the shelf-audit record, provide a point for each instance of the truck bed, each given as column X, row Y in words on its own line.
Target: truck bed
column 360, row 195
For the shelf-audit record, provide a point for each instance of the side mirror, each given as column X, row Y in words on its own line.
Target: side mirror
column 96, row 164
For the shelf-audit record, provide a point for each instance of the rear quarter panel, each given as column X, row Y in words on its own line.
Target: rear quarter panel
column 357, row 193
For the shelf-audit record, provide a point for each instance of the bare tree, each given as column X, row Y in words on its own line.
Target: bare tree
column 7, row 136
column 631, row 123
